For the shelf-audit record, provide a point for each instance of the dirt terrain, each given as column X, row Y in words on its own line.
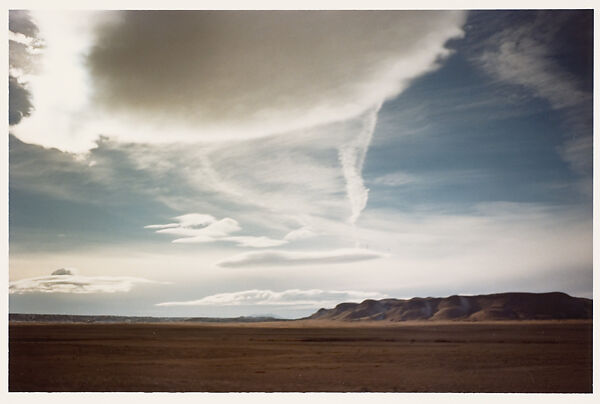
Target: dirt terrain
column 298, row 356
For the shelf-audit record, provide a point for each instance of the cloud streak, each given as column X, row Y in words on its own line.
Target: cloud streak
column 292, row 297
column 66, row 280
column 528, row 54
column 523, row 55
column 201, row 228
column 285, row 258
column 352, row 157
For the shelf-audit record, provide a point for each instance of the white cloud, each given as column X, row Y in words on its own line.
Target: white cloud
column 292, row 297
column 214, row 231
column 162, row 226
column 352, row 157
column 66, row 280
column 256, row 242
column 200, row 228
column 195, row 219
column 300, row 234
column 395, row 179
column 285, row 258
column 197, row 228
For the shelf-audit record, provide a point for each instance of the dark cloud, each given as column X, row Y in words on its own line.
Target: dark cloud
column 20, row 22
column 218, row 67
column 64, row 271
column 19, row 101
column 22, row 59
column 18, row 55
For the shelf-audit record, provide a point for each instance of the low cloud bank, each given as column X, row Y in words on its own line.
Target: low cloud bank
column 66, row 280
column 291, row 297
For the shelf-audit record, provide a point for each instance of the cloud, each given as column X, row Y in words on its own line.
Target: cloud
column 233, row 75
column 66, row 280
column 269, row 71
column 300, row 234
column 292, row 297
column 19, row 101
column 578, row 153
column 65, row 271
column 212, row 231
column 19, row 22
column 256, row 242
column 352, row 157
column 195, row 219
column 525, row 54
column 23, row 47
column 285, row 258
column 222, row 75
column 395, row 179
column 200, row 228
column 509, row 242
column 529, row 53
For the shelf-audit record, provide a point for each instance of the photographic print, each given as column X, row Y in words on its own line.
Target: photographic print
column 300, row 201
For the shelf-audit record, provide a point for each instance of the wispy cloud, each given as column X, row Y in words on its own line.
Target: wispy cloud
column 395, row 179
column 352, row 157
column 578, row 153
column 300, row 234
column 66, row 280
column 200, row 228
column 292, row 297
column 525, row 54
column 256, row 242
column 284, row 258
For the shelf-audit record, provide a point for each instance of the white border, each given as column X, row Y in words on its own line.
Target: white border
column 283, row 397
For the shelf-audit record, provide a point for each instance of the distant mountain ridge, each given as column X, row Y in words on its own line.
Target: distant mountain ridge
column 67, row 318
column 492, row 307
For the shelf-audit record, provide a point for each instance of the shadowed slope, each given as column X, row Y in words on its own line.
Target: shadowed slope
column 500, row 306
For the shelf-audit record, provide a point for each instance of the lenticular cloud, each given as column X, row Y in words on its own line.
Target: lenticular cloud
column 66, row 280
column 291, row 297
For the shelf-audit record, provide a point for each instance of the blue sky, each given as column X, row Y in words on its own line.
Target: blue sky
column 249, row 163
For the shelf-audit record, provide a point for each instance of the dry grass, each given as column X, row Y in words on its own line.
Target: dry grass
column 533, row 356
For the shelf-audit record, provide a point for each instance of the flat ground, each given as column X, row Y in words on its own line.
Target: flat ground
column 540, row 356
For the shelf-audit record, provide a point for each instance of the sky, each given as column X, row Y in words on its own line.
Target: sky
column 237, row 163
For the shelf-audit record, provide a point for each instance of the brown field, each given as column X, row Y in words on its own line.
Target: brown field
column 534, row 356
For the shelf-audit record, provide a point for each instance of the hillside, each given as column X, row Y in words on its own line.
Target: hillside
column 500, row 306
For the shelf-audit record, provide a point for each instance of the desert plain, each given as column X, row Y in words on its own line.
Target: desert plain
column 303, row 356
